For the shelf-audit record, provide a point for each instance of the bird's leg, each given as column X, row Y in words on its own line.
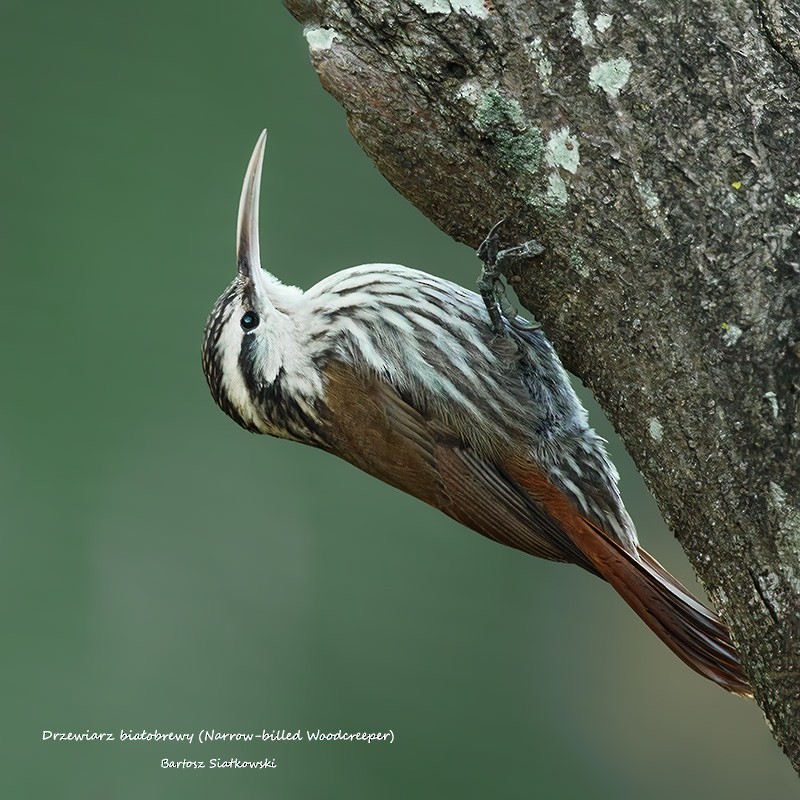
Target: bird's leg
column 492, row 289
column 490, row 277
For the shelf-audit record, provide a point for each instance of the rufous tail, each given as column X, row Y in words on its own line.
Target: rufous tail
column 693, row 632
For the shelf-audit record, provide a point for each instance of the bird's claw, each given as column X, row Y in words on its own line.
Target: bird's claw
column 525, row 250
column 489, row 248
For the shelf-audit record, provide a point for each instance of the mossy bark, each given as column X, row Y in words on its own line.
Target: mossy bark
column 653, row 149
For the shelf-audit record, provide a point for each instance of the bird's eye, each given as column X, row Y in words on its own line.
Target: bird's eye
column 249, row 320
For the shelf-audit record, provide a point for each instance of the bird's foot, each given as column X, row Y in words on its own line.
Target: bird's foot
column 491, row 287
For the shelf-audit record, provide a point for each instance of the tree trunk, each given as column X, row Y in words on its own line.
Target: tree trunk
column 653, row 148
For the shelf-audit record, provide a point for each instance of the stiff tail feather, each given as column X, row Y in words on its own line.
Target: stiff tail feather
column 694, row 633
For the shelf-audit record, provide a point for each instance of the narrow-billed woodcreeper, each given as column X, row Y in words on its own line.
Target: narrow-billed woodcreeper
column 410, row 378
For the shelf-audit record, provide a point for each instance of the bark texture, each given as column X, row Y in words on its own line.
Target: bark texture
column 653, row 148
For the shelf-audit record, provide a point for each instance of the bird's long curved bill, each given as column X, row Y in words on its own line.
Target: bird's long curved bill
column 248, row 255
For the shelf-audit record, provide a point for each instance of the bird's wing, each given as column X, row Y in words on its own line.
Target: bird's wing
column 481, row 494
column 373, row 427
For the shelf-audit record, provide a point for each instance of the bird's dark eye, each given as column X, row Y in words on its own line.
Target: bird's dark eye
column 249, row 320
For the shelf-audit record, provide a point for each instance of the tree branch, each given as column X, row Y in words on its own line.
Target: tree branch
column 652, row 148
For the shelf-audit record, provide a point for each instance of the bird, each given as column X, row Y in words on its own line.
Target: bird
column 437, row 391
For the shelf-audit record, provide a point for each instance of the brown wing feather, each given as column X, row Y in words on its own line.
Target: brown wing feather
column 375, row 429
column 475, row 490
column 369, row 425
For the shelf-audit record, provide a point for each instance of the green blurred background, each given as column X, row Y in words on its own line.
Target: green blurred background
column 164, row 569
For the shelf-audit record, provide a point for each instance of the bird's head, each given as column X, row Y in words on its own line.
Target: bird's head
column 242, row 353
